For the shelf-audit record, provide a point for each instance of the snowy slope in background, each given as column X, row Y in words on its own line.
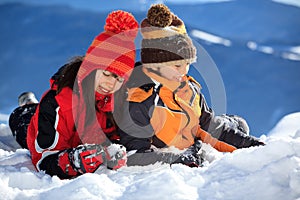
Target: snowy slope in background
column 287, row 126
column 256, row 54
column 260, row 67
column 289, row 2
column 268, row 172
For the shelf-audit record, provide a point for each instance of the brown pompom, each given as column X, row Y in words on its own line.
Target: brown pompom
column 159, row 15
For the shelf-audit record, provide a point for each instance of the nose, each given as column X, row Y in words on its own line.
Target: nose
column 111, row 81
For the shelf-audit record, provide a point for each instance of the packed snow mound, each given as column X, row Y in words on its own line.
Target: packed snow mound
column 7, row 142
column 287, row 126
column 267, row 172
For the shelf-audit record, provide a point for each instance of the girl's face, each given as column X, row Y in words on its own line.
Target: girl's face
column 175, row 72
column 107, row 82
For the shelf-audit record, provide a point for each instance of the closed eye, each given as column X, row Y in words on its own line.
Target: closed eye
column 108, row 73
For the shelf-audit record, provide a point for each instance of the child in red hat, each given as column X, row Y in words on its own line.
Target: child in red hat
column 72, row 129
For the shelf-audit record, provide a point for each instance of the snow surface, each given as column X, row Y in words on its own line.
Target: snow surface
column 289, row 2
column 291, row 53
column 210, row 37
column 268, row 172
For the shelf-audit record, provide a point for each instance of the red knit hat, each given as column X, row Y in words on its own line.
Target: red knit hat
column 113, row 49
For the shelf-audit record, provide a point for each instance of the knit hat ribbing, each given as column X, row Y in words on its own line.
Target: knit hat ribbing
column 113, row 49
column 165, row 41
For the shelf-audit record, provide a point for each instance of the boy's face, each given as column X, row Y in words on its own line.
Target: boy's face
column 107, row 82
column 175, row 72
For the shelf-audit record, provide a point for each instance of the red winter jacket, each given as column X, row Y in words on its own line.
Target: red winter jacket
column 52, row 128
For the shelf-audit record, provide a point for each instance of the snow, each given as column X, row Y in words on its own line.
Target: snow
column 210, row 38
column 289, row 2
column 265, row 49
column 288, row 126
column 291, row 53
column 4, row 117
column 295, row 49
column 268, row 172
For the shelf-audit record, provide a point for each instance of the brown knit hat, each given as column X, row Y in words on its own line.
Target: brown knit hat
column 165, row 41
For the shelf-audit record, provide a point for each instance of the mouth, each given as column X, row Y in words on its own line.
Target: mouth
column 179, row 78
column 103, row 90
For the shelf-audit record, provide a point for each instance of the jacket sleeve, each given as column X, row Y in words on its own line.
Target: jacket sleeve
column 206, row 113
column 228, row 133
column 207, row 116
column 136, row 133
column 134, row 126
column 219, row 145
column 151, row 157
column 54, row 134
column 224, row 131
column 47, row 121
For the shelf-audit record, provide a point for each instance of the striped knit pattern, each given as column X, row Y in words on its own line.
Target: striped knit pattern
column 112, row 52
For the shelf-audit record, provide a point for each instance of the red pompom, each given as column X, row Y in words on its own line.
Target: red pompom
column 121, row 21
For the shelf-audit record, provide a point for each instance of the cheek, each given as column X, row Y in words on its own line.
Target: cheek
column 170, row 71
column 184, row 70
column 97, row 83
column 117, row 86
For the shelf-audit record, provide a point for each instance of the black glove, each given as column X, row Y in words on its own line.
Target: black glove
column 240, row 140
column 257, row 143
column 192, row 156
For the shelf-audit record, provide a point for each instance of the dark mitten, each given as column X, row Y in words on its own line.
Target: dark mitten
column 116, row 156
column 232, row 130
column 256, row 142
column 239, row 139
column 189, row 160
column 82, row 159
column 192, row 156
column 239, row 123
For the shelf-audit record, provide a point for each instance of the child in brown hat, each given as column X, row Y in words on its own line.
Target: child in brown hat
column 165, row 107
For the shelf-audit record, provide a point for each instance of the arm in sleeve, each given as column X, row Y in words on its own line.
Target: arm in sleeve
column 47, row 122
column 219, row 128
column 49, row 141
column 151, row 157
column 219, row 145
column 134, row 126
column 206, row 113
column 136, row 134
column 226, row 129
